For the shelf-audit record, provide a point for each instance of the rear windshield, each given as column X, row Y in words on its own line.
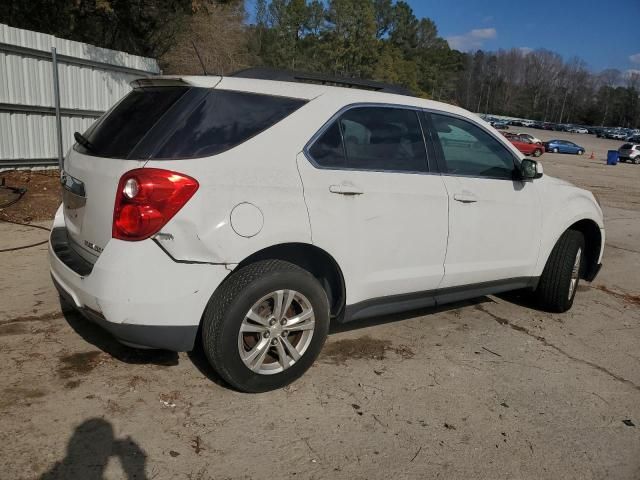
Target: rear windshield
column 183, row 122
column 626, row 146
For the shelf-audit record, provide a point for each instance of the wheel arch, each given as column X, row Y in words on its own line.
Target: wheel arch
column 313, row 259
column 593, row 245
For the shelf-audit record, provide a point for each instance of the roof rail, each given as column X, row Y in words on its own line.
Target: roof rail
column 265, row 73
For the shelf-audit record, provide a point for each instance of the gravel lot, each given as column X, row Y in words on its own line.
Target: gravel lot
column 484, row 389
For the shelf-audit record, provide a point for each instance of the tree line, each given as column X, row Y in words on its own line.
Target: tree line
column 376, row 39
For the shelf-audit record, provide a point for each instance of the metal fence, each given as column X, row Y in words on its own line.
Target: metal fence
column 37, row 119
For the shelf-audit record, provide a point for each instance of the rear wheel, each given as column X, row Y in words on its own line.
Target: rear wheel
column 635, row 160
column 555, row 150
column 537, row 152
column 265, row 325
column 559, row 281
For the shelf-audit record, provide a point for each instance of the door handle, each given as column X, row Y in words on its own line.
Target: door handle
column 345, row 189
column 465, row 197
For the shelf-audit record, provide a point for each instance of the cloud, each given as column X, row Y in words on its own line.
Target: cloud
column 525, row 50
column 631, row 71
column 635, row 58
column 472, row 40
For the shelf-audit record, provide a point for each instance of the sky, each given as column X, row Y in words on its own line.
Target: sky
column 604, row 33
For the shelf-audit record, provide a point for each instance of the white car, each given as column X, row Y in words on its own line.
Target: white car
column 629, row 151
column 530, row 137
column 578, row 130
column 252, row 213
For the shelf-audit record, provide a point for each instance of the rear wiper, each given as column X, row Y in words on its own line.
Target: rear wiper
column 82, row 140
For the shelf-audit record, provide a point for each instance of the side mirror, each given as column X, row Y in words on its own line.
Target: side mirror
column 530, row 169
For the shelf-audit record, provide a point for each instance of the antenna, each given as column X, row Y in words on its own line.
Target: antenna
column 199, row 57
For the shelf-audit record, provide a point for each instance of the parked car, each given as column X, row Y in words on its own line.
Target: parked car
column 578, row 130
column 629, row 151
column 615, row 135
column 631, row 135
column 250, row 214
column 563, row 146
column 525, row 145
column 529, row 137
column 500, row 124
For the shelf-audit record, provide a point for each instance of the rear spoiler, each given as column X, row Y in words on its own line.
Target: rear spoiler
column 177, row 81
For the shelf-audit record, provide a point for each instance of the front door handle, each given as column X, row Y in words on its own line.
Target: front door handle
column 345, row 189
column 465, row 197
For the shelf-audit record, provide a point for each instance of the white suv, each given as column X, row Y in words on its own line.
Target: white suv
column 629, row 151
column 251, row 213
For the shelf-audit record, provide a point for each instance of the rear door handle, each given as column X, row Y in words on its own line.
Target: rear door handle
column 345, row 189
column 465, row 197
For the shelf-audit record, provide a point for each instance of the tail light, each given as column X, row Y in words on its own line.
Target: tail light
column 147, row 198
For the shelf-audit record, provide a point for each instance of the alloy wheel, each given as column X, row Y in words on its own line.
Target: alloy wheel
column 575, row 273
column 276, row 332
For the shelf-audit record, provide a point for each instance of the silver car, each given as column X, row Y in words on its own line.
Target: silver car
column 629, row 151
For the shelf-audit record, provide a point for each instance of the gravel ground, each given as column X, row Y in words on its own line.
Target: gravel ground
column 485, row 389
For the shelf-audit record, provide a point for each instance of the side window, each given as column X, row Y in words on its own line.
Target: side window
column 327, row 150
column 469, row 150
column 373, row 138
column 381, row 138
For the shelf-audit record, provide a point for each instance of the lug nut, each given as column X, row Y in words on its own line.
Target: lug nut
column 272, row 322
column 266, row 334
column 285, row 333
column 283, row 321
column 274, row 342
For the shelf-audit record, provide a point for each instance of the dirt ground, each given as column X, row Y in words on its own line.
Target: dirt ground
column 40, row 199
column 485, row 389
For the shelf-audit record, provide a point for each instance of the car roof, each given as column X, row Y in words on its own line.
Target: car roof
column 307, row 91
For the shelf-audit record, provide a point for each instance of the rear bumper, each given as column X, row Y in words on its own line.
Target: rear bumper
column 179, row 338
column 136, row 291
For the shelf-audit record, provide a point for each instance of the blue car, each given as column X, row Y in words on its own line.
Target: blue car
column 563, row 146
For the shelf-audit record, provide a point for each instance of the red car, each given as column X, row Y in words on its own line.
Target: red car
column 525, row 145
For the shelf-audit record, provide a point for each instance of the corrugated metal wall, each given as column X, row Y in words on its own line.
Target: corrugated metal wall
column 91, row 80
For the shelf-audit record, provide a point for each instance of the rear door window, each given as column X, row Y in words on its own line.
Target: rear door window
column 328, row 150
column 373, row 138
column 183, row 122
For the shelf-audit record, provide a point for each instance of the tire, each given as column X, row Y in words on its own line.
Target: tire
column 555, row 150
column 558, row 284
column 624, row 160
column 249, row 295
column 580, row 152
column 537, row 152
column 635, row 160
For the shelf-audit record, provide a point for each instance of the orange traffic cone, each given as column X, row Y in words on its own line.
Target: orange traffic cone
column 591, row 157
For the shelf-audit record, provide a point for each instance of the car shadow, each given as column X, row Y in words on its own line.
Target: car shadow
column 90, row 449
column 522, row 298
column 103, row 340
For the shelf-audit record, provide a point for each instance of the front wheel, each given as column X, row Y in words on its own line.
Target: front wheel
column 559, row 280
column 265, row 325
column 537, row 152
column 555, row 150
column 580, row 152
